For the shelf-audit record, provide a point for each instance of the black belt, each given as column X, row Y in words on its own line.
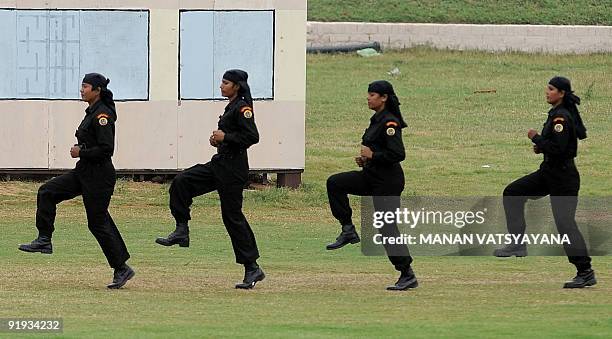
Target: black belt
column 95, row 163
column 231, row 152
column 553, row 161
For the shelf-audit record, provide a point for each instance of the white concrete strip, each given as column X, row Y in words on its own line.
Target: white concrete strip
column 525, row 38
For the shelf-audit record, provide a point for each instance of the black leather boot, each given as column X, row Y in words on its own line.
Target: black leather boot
column 180, row 236
column 41, row 244
column 121, row 276
column 582, row 279
column 406, row 281
column 252, row 274
column 347, row 236
column 510, row 250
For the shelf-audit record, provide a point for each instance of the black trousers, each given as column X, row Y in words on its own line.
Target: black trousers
column 227, row 174
column 562, row 183
column 385, row 185
column 96, row 184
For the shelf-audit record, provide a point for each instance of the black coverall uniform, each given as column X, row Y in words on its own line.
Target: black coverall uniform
column 227, row 172
column 557, row 176
column 382, row 178
column 93, row 177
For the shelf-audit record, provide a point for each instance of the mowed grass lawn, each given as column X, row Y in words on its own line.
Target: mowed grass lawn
column 310, row 292
column 535, row 12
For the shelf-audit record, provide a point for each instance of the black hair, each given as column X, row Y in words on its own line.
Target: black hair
column 240, row 78
column 97, row 80
column 570, row 102
column 392, row 105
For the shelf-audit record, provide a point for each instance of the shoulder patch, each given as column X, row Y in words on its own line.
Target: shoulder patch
column 102, row 119
column 247, row 112
column 558, row 128
column 390, row 131
column 558, row 120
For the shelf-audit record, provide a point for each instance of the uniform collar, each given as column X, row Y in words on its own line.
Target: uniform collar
column 555, row 110
column 93, row 107
column 231, row 104
column 378, row 116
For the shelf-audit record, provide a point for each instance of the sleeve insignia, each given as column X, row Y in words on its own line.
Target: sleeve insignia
column 102, row 119
column 558, row 128
column 247, row 112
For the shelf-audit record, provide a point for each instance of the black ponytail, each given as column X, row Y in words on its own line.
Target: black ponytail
column 245, row 93
column 106, row 95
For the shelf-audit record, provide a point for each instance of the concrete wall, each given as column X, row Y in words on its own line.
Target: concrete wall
column 526, row 38
column 164, row 132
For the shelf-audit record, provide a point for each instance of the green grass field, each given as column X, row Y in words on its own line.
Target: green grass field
column 538, row 12
column 313, row 293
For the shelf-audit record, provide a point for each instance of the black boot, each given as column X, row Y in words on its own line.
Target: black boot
column 41, row 244
column 180, row 236
column 347, row 236
column 510, row 250
column 252, row 274
column 406, row 280
column 121, row 276
column 582, row 279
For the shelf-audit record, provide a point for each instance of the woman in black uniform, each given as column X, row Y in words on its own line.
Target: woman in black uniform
column 93, row 177
column 557, row 177
column 227, row 172
column 382, row 177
